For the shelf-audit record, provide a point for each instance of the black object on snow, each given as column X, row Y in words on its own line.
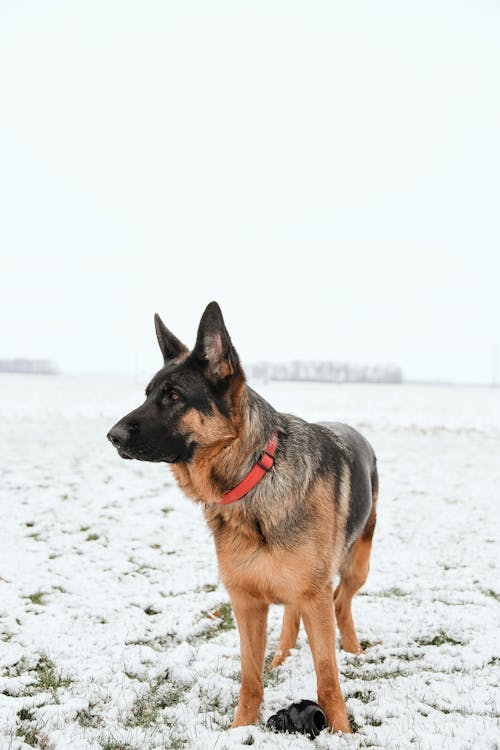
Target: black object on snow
column 304, row 716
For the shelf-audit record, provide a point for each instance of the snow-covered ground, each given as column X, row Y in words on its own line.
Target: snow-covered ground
column 108, row 580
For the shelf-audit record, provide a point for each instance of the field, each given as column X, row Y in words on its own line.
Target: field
column 115, row 632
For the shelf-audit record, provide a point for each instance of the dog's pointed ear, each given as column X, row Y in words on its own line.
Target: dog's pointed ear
column 214, row 347
column 170, row 345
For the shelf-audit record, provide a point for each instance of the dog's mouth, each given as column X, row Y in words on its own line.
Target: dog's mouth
column 140, row 456
column 122, row 454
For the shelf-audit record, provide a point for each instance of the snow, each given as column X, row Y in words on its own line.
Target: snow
column 108, row 579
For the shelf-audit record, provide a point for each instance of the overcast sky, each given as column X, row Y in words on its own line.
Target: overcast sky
column 328, row 171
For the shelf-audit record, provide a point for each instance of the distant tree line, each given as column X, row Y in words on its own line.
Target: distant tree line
column 33, row 366
column 327, row 372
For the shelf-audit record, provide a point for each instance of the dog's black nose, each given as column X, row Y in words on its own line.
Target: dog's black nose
column 118, row 435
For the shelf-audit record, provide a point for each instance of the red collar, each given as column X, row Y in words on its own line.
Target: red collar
column 264, row 464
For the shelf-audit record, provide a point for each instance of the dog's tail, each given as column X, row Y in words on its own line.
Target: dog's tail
column 372, row 518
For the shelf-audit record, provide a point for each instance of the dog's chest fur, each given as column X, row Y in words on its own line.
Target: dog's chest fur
column 259, row 553
column 277, row 576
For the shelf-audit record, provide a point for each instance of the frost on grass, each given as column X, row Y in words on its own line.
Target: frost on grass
column 115, row 632
column 218, row 620
column 163, row 693
column 37, row 686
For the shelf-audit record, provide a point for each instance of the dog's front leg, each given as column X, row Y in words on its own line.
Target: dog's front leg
column 251, row 617
column 317, row 613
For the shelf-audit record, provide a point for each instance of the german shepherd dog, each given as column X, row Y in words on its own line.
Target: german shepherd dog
column 308, row 516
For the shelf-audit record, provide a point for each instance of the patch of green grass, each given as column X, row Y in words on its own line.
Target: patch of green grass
column 409, row 657
column 162, row 694
column 438, row 640
column 208, row 588
column 47, row 679
column 170, row 695
column 30, row 736
column 493, row 594
column 37, row 597
column 144, row 712
column 24, row 714
column 365, row 696
column 271, row 676
column 17, row 669
column 350, row 673
column 395, row 591
column 111, row 744
column 141, row 569
column 84, row 528
column 29, row 732
column 213, row 704
column 365, row 644
column 373, row 722
column 370, row 659
column 440, row 708
column 223, row 614
column 160, row 643
column 151, row 611
column 87, row 718
column 355, row 727
column 176, row 743
column 92, row 537
column 133, row 676
column 166, row 510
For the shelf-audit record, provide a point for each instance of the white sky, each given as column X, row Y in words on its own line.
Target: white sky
column 328, row 171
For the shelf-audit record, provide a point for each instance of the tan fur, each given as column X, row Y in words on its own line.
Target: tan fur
column 219, row 441
column 285, row 540
column 274, row 574
column 289, row 633
column 292, row 614
column 353, row 574
column 221, row 366
column 256, row 574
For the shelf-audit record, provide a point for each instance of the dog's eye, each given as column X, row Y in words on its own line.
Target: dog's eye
column 171, row 395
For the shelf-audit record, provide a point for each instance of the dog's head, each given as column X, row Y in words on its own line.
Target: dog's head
column 190, row 402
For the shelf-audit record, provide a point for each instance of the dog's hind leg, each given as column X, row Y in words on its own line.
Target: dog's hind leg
column 353, row 574
column 288, row 637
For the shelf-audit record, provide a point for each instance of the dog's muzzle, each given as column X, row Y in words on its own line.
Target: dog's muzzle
column 119, row 436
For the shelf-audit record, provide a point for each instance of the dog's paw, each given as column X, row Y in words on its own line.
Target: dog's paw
column 245, row 717
column 278, row 659
column 241, row 723
column 352, row 647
